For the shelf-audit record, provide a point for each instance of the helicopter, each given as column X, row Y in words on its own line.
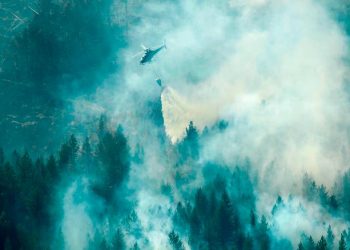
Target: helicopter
column 149, row 53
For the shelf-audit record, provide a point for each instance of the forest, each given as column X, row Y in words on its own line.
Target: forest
column 243, row 146
column 218, row 215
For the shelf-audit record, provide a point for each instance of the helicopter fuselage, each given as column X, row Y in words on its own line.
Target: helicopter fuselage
column 149, row 54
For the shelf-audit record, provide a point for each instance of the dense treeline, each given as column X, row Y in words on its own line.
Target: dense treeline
column 28, row 187
column 55, row 50
column 221, row 214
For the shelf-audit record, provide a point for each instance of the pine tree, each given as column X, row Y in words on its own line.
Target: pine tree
column 181, row 216
column 135, row 247
column 52, row 167
column 68, row 152
column 201, row 203
column 309, row 188
column 191, row 132
column 64, row 155
column 114, row 153
column 322, row 244
column 175, row 241
column 278, row 204
column 330, row 237
column 195, row 228
column 118, row 241
column 74, row 147
column 40, row 170
column 252, row 218
column 25, row 165
column 333, row 202
column 345, row 197
column 15, row 158
column 10, row 180
column 86, row 150
column 310, row 244
column 212, row 203
column 102, row 126
column 323, row 195
column 189, row 146
column 342, row 243
column 300, row 246
column 139, row 154
column 226, row 220
column 263, row 234
column 86, row 155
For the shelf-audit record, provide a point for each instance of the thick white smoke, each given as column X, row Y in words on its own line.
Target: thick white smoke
column 308, row 218
column 274, row 69
column 281, row 87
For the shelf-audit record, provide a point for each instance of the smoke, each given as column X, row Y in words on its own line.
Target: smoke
column 178, row 111
column 77, row 226
column 280, row 86
column 274, row 70
column 155, row 218
column 300, row 211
